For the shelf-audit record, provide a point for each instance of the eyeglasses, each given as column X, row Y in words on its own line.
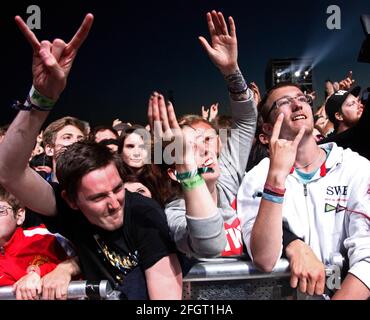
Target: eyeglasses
column 287, row 101
column 4, row 211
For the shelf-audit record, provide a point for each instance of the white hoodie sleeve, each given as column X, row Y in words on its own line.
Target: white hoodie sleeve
column 358, row 226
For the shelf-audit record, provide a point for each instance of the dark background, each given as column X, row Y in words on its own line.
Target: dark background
column 135, row 47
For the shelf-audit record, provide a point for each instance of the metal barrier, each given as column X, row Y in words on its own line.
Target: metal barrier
column 211, row 279
column 224, row 269
column 235, row 279
column 76, row 290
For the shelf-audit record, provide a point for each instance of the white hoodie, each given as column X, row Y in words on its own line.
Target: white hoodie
column 333, row 216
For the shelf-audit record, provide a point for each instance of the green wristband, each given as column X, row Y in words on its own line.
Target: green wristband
column 43, row 103
column 192, row 183
column 186, row 175
column 190, row 174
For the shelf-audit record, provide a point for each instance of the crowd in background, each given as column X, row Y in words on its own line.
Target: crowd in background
column 282, row 176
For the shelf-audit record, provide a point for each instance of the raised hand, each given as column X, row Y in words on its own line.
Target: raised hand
column 223, row 50
column 312, row 94
column 282, row 152
column 336, row 86
column 205, row 113
column 346, row 83
column 329, row 88
column 116, row 122
column 213, row 111
column 162, row 120
column 52, row 62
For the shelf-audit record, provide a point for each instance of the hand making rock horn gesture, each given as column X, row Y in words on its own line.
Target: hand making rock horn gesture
column 282, row 152
column 52, row 62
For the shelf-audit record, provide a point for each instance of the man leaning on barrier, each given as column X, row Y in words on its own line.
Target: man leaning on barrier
column 317, row 191
column 116, row 233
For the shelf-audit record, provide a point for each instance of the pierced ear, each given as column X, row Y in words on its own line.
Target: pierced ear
column 338, row 116
column 20, row 216
column 49, row 150
column 72, row 204
column 172, row 174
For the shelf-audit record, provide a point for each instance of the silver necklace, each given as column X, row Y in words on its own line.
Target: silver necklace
column 308, row 164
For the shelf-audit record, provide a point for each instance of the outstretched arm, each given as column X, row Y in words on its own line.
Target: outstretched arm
column 199, row 202
column 51, row 65
column 223, row 52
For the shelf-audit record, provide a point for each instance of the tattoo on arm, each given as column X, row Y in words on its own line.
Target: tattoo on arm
column 237, row 86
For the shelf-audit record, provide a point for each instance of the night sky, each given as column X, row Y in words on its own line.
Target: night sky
column 135, row 47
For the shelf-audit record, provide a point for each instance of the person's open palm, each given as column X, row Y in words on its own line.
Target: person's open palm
column 223, row 50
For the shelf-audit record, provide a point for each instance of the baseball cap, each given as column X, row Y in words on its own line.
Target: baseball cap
column 336, row 100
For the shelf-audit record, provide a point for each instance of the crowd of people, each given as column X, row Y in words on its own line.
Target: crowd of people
column 138, row 205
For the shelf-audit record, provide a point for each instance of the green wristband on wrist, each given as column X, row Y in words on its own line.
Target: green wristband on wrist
column 190, row 174
column 39, row 101
column 186, row 175
column 192, row 183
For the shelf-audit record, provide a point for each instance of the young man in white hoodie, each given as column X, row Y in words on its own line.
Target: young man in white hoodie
column 317, row 191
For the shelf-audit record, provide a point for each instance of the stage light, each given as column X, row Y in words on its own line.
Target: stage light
column 297, row 74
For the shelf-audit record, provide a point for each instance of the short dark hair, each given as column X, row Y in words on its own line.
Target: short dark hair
column 81, row 158
column 99, row 128
column 263, row 108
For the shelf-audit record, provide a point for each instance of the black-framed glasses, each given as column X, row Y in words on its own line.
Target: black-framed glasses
column 4, row 211
column 286, row 101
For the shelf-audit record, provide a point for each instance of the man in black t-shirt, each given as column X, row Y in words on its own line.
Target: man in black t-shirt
column 116, row 233
column 114, row 230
